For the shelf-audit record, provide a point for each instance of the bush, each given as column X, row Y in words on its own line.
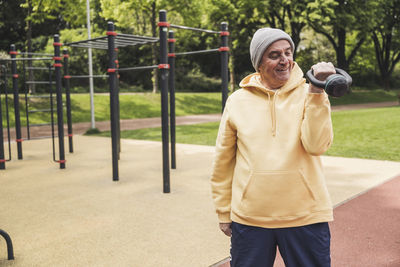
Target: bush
column 92, row 131
column 197, row 82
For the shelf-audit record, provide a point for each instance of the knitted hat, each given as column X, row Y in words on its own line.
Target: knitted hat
column 262, row 39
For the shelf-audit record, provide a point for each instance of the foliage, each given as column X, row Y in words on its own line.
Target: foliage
column 386, row 37
column 337, row 19
column 365, row 133
column 358, row 35
column 147, row 105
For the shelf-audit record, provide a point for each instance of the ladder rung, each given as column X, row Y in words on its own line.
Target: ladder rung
column 38, row 82
column 39, row 124
column 39, row 110
column 37, row 68
column 40, row 96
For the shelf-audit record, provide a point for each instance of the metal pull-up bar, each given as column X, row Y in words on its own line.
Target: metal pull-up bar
column 139, row 68
column 27, row 58
column 192, row 29
column 35, row 54
column 197, row 52
column 84, row 76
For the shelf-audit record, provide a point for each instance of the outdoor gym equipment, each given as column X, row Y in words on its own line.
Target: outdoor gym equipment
column 57, row 67
column 10, row 251
column 335, row 85
column 3, row 160
column 113, row 41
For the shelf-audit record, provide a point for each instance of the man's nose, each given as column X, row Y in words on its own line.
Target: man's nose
column 284, row 59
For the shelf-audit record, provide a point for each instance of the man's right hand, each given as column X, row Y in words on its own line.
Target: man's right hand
column 226, row 228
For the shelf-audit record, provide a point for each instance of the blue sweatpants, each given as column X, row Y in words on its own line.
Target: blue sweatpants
column 304, row 246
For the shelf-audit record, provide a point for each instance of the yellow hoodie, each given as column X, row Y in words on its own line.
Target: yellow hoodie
column 267, row 171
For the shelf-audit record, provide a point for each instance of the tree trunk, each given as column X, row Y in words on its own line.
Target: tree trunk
column 386, row 82
column 231, row 67
column 341, row 50
column 154, row 46
column 31, row 87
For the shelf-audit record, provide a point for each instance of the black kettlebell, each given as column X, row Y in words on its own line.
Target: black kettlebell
column 335, row 85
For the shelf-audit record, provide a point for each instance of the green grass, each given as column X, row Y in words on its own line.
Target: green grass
column 147, row 105
column 199, row 134
column 132, row 106
column 358, row 96
column 366, row 133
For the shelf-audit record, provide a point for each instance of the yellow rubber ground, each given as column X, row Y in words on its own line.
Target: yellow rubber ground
column 80, row 217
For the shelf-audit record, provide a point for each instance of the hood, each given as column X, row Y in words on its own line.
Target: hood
column 254, row 81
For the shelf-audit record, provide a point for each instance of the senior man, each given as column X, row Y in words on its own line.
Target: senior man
column 267, row 182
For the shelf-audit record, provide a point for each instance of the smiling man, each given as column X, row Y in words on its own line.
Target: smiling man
column 267, row 181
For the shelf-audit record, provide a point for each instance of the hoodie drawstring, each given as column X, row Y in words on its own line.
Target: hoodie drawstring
column 273, row 112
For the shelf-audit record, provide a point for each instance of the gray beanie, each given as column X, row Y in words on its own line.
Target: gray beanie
column 262, row 39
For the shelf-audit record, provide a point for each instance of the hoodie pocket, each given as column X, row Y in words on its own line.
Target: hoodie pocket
column 277, row 194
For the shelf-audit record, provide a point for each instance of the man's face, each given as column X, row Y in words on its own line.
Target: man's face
column 276, row 64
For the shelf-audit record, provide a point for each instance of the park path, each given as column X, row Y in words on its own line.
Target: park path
column 133, row 124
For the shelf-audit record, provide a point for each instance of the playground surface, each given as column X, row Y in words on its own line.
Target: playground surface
column 79, row 217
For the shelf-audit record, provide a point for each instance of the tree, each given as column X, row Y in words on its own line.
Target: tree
column 11, row 24
column 336, row 19
column 386, row 37
column 287, row 15
column 141, row 16
column 243, row 18
column 37, row 12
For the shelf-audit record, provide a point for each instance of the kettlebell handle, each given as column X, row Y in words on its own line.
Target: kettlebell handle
column 322, row 84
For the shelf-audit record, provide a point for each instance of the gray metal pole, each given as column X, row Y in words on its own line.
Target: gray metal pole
column 113, row 98
column 60, row 119
column 2, row 158
column 68, row 99
column 91, row 90
column 171, row 87
column 163, row 25
column 224, row 62
column 15, row 76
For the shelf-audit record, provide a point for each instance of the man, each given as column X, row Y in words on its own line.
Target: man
column 267, row 181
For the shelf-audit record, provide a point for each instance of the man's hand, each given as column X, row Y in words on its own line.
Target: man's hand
column 321, row 71
column 226, row 228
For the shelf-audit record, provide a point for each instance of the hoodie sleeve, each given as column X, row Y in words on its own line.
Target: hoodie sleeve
column 223, row 166
column 316, row 128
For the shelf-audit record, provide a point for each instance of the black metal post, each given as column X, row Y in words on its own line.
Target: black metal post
column 112, row 78
column 171, row 87
column 60, row 119
column 224, row 62
column 52, row 111
column 26, row 100
column 10, row 250
column 117, row 102
column 163, row 66
column 7, row 112
column 68, row 99
column 2, row 157
column 18, row 139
